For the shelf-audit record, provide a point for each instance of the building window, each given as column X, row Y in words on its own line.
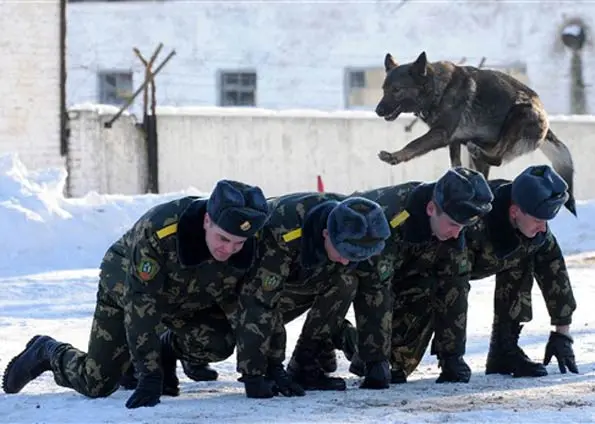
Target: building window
column 238, row 88
column 114, row 87
column 363, row 87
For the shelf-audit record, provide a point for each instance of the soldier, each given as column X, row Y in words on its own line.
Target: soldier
column 304, row 253
column 425, row 262
column 513, row 242
column 180, row 264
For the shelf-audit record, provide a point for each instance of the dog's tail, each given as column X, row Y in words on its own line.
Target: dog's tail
column 561, row 159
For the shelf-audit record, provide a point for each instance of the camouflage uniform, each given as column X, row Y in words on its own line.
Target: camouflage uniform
column 430, row 280
column 494, row 247
column 294, row 275
column 429, row 277
column 160, row 272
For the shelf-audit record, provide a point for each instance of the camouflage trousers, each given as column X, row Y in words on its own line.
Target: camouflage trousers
column 512, row 295
column 327, row 299
column 202, row 336
column 423, row 307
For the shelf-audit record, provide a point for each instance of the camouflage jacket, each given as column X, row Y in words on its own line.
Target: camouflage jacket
column 170, row 273
column 412, row 252
column 290, row 248
column 496, row 247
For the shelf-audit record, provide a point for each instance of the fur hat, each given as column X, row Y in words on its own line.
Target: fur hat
column 357, row 228
column 540, row 192
column 238, row 208
column 463, row 194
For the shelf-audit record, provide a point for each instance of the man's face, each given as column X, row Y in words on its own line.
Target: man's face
column 528, row 225
column 221, row 244
column 443, row 227
column 332, row 253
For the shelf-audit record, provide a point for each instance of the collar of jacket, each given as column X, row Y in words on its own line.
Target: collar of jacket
column 313, row 253
column 192, row 247
column 417, row 227
column 503, row 236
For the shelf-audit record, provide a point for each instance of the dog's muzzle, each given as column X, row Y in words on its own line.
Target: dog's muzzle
column 393, row 115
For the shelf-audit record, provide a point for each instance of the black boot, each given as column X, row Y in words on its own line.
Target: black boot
column 397, row 376
column 306, row 371
column 199, row 372
column 505, row 355
column 454, row 370
column 30, row 363
column 357, row 366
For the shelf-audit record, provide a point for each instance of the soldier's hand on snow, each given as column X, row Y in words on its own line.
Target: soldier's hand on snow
column 377, row 375
column 560, row 346
column 147, row 392
column 282, row 381
column 257, row 386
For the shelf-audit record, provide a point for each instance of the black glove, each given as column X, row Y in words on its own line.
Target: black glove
column 282, row 381
column 147, row 392
column 560, row 346
column 257, row 386
column 454, row 370
column 377, row 375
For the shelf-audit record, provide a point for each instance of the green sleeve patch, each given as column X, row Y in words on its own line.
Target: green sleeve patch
column 385, row 269
column 271, row 282
column 463, row 266
column 147, row 269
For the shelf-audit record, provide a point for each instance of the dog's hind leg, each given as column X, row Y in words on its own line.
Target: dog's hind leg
column 523, row 131
column 454, row 150
column 478, row 154
column 479, row 165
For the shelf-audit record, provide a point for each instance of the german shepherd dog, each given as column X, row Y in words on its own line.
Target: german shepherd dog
column 497, row 117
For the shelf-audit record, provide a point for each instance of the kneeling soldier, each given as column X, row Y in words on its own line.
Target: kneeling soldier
column 179, row 265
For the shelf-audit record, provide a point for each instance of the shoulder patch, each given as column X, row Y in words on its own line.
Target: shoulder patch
column 167, row 231
column 147, row 269
column 398, row 219
column 272, row 282
column 292, row 235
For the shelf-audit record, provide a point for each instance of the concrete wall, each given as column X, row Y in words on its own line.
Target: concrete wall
column 283, row 151
column 105, row 160
column 30, row 83
column 301, row 50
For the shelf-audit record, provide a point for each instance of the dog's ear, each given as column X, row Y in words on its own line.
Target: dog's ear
column 389, row 62
column 420, row 66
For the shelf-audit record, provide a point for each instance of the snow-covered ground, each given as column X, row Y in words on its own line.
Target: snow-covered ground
column 50, row 250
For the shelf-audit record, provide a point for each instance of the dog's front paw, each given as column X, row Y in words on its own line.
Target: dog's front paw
column 389, row 158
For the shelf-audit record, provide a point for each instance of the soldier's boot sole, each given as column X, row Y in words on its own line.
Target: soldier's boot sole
column 27, row 365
